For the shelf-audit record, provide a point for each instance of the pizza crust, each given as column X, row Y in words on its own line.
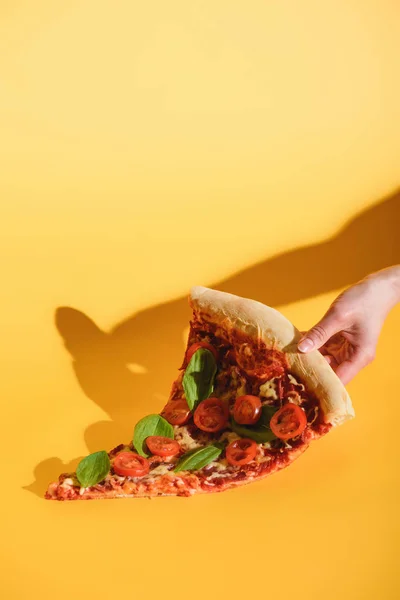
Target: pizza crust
column 262, row 322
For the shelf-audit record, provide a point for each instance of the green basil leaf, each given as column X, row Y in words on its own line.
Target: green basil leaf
column 93, row 468
column 198, row 380
column 150, row 425
column 199, row 458
column 260, row 432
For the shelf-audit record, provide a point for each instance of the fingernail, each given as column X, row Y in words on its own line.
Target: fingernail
column 305, row 345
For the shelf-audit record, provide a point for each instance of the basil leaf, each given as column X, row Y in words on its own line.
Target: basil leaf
column 260, row 432
column 93, row 468
column 150, row 425
column 198, row 380
column 198, row 458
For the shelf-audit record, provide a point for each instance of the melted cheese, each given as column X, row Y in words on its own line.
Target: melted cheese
column 215, row 475
column 185, row 439
column 119, row 478
column 316, row 415
column 229, row 436
column 236, row 387
column 268, row 389
column 160, row 470
column 246, row 350
column 220, row 465
column 294, row 397
column 266, row 445
column 67, row 483
column 241, row 391
column 295, row 382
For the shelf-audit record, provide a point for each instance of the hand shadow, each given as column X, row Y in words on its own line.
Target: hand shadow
column 128, row 371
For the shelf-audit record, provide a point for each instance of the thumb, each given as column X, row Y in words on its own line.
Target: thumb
column 318, row 335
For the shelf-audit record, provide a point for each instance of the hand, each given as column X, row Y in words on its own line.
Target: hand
column 348, row 333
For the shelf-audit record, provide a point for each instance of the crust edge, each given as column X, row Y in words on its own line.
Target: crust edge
column 293, row 455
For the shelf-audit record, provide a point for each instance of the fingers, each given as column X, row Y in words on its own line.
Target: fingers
column 318, row 335
column 331, row 361
column 348, row 369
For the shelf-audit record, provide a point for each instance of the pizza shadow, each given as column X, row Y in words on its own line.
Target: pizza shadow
column 128, row 370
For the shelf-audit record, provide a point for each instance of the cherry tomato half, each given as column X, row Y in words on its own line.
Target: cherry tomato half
column 288, row 422
column 211, row 414
column 247, row 410
column 240, row 452
column 162, row 446
column 194, row 347
column 129, row 464
column 176, row 412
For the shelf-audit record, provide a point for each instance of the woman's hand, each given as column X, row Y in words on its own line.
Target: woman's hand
column 348, row 333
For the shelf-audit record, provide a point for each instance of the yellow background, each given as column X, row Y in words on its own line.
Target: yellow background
column 146, row 147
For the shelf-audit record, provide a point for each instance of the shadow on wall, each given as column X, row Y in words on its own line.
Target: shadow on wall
column 128, row 371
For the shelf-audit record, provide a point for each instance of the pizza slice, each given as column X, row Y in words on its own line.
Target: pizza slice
column 246, row 403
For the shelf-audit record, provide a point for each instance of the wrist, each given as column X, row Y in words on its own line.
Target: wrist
column 395, row 280
column 389, row 284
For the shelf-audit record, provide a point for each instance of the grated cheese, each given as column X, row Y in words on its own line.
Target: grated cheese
column 268, row 389
column 241, row 391
column 160, row 470
column 185, row 439
column 295, row 382
column 221, row 465
column 67, row 483
column 119, row 478
column 229, row 436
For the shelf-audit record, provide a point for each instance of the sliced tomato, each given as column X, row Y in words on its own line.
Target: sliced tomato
column 211, row 415
column 129, row 464
column 162, row 446
column 288, row 422
column 247, row 410
column 240, row 452
column 176, row 412
column 194, row 347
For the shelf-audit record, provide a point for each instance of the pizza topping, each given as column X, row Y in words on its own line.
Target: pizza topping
column 130, row 464
column 293, row 397
column 281, row 391
column 228, row 437
column 198, row 380
column 219, row 466
column 268, row 389
column 211, row 415
column 229, row 383
column 186, row 440
column 162, row 446
column 288, row 422
column 247, row 410
column 152, row 425
column 241, row 452
column 161, row 469
column 240, row 384
column 313, row 416
column 294, row 381
column 194, row 347
column 93, row 468
column 176, row 412
column 69, row 482
column 262, row 363
column 261, row 431
column 199, row 458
